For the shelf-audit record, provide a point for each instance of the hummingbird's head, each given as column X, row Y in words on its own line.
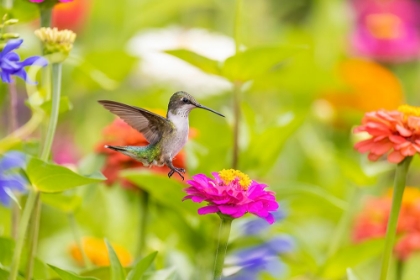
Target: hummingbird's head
column 181, row 103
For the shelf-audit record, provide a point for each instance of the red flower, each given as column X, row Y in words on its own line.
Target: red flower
column 396, row 133
column 373, row 220
column 118, row 133
column 71, row 16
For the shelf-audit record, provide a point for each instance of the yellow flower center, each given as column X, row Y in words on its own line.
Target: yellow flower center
column 229, row 175
column 408, row 110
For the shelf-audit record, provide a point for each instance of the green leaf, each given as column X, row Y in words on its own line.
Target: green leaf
column 6, row 250
column 117, row 271
column 167, row 191
column 66, row 275
column 205, row 64
column 50, row 178
column 138, row 270
column 65, row 105
column 62, row 201
column 351, row 256
column 256, row 62
column 99, row 272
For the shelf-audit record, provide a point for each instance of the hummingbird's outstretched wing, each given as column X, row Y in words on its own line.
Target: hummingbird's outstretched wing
column 148, row 123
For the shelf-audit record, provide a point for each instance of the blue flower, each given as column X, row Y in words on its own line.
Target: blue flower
column 9, row 180
column 10, row 64
column 246, row 264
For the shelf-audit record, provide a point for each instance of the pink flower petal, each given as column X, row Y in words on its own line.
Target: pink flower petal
column 381, row 148
column 395, row 157
column 403, row 131
column 373, row 157
column 364, row 146
column 208, row 210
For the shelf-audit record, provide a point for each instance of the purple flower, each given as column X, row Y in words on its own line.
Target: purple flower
column 10, row 180
column 387, row 30
column 232, row 193
column 246, row 264
column 10, row 64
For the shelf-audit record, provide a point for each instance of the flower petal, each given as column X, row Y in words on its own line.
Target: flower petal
column 208, row 210
column 395, row 157
column 10, row 46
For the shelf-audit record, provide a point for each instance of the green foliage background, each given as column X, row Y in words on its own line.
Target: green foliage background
column 291, row 52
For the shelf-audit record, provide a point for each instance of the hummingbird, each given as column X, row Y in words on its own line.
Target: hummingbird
column 166, row 136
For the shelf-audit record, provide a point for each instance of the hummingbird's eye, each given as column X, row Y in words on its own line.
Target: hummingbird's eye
column 185, row 100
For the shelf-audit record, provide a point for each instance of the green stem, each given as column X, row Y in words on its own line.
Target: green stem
column 15, row 220
column 236, row 88
column 144, row 213
column 236, row 119
column 399, row 270
column 33, row 237
column 224, row 231
column 78, row 239
column 399, row 186
column 23, row 225
column 56, row 92
column 343, row 225
column 46, row 15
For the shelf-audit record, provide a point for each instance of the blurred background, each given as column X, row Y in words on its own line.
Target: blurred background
column 312, row 69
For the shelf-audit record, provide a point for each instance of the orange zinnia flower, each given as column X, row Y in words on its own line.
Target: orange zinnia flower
column 372, row 221
column 97, row 252
column 396, row 133
column 119, row 133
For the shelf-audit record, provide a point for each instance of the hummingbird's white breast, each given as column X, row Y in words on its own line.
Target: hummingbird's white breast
column 180, row 136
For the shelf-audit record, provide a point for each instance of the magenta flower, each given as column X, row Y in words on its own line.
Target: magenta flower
column 232, row 193
column 387, row 30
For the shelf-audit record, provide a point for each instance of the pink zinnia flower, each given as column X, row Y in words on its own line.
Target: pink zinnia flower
column 232, row 193
column 396, row 133
column 387, row 30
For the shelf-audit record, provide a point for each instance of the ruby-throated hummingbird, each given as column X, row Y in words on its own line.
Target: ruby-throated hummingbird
column 166, row 136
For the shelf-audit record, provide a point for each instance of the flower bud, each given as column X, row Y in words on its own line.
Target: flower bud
column 11, row 21
column 7, row 36
column 56, row 41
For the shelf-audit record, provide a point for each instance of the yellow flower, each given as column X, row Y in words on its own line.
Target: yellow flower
column 368, row 86
column 96, row 251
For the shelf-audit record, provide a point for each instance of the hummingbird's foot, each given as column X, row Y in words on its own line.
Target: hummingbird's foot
column 177, row 170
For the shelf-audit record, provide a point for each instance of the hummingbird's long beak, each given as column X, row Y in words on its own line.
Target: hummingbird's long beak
column 208, row 109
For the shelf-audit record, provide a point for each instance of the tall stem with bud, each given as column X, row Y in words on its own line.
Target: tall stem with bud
column 57, row 45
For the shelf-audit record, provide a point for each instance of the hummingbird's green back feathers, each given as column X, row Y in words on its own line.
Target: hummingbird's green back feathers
column 145, row 154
